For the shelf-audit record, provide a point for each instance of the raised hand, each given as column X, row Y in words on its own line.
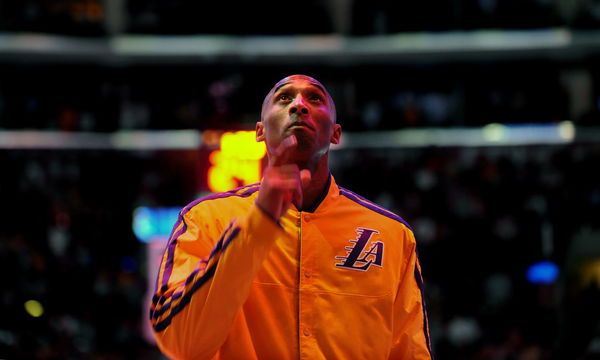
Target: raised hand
column 282, row 181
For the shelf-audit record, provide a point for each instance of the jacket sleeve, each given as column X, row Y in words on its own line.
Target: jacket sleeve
column 410, row 326
column 204, row 279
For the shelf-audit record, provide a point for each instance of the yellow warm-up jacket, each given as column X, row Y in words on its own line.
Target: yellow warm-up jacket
column 342, row 282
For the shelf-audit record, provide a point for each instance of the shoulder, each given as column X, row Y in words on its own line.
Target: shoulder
column 239, row 195
column 373, row 209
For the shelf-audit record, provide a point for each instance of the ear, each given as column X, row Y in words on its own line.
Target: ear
column 260, row 131
column 336, row 134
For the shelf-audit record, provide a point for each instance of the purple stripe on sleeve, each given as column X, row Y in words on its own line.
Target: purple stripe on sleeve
column 370, row 205
column 425, row 319
column 219, row 247
column 219, row 243
column 244, row 187
column 179, row 220
column 173, row 240
column 156, row 313
column 160, row 326
column 171, row 255
column 186, row 297
column 231, row 236
column 251, row 190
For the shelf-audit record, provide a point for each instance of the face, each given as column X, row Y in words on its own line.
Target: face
column 301, row 106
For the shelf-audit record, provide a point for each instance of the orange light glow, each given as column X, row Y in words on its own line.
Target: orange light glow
column 237, row 163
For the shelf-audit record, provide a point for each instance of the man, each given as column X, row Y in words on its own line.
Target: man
column 293, row 267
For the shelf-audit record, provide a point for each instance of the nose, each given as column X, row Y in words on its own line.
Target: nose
column 298, row 106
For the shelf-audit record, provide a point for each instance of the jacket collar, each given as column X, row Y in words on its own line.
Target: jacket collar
column 332, row 192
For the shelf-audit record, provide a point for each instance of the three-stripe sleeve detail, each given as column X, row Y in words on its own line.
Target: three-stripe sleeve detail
column 174, row 303
column 202, row 273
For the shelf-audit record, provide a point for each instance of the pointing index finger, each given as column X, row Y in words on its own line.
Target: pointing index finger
column 281, row 153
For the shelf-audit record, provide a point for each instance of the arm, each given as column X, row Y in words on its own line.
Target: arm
column 199, row 290
column 410, row 329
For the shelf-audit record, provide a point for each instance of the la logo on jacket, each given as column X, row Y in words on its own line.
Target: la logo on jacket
column 357, row 258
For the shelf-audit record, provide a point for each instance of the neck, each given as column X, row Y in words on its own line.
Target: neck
column 313, row 192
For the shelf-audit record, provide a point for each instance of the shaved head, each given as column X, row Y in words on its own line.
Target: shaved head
column 286, row 80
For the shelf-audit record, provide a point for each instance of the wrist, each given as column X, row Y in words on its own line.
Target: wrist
column 266, row 212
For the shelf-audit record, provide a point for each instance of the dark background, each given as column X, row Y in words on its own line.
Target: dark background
column 482, row 214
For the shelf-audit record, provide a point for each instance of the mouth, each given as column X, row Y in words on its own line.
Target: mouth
column 300, row 124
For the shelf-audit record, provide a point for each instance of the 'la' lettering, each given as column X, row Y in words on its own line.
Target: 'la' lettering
column 354, row 260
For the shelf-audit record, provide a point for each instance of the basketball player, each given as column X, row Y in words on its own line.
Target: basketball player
column 293, row 267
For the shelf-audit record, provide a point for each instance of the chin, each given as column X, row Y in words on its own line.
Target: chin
column 305, row 139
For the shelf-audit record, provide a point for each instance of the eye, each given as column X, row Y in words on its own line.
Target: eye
column 316, row 98
column 284, row 97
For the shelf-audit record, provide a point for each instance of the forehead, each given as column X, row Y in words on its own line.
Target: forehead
column 298, row 80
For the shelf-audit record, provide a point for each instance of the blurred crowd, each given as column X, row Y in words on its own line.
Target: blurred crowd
column 267, row 17
column 66, row 241
column 105, row 99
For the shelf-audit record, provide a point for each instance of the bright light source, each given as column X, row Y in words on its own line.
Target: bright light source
column 543, row 272
column 34, row 308
column 494, row 132
column 237, row 163
column 566, row 130
column 153, row 223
